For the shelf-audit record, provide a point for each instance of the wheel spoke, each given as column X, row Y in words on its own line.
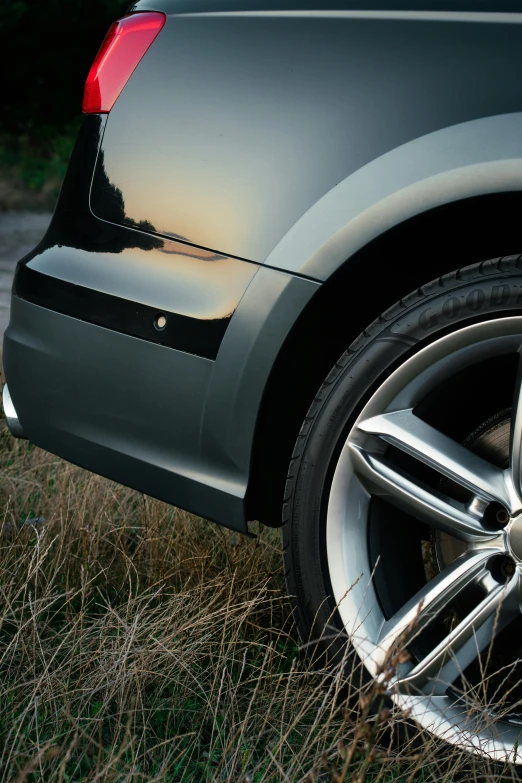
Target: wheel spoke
column 516, row 433
column 407, row 432
column 440, row 668
column 424, row 503
column 435, row 596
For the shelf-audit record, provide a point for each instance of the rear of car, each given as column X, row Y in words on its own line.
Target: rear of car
column 213, row 132
column 262, row 191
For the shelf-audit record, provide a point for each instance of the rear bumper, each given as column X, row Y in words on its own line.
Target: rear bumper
column 171, row 424
column 119, row 406
column 173, row 412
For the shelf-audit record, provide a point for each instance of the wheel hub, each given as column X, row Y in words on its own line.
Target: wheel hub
column 514, row 538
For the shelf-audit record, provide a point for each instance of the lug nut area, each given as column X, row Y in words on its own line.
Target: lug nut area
column 495, row 517
column 502, row 568
column 502, row 517
column 507, row 568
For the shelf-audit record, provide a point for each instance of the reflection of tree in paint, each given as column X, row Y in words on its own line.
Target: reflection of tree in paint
column 107, row 200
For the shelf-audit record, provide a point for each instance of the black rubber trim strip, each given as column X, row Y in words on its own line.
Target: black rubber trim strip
column 201, row 337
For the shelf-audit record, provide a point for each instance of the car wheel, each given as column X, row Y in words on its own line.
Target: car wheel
column 403, row 507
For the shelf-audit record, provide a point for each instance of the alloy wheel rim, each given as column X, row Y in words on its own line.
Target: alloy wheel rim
column 425, row 686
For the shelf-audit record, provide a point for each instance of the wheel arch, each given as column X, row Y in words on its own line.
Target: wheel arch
column 417, row 250
column 476, row 158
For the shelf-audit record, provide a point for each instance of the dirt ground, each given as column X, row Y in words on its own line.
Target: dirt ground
column 19, row 233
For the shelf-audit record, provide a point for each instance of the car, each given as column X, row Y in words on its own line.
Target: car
column 283, row 283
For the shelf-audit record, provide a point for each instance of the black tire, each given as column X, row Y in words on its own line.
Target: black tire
column 492, row 289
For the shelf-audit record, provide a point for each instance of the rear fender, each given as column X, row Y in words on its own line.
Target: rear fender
column 466, row 160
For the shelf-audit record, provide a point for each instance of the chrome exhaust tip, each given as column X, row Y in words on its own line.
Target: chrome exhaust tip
column 13, row 422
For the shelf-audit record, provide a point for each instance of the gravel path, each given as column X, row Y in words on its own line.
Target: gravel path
column 19, row 233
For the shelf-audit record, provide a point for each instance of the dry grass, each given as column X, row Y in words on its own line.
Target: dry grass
column 138, row 643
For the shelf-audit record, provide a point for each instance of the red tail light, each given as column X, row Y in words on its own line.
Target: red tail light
column 121, row 50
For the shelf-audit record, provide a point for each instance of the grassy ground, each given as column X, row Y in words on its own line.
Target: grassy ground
column 138, row 643
column 32, row 167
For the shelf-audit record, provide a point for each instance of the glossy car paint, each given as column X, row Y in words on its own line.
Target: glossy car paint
column 256, row 147
column 129, row 275
column 444, row 167
column 259, row 115
column 227, row 6
column 108, row 396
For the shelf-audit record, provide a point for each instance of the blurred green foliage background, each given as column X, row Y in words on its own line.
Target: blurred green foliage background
column 46, row 49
